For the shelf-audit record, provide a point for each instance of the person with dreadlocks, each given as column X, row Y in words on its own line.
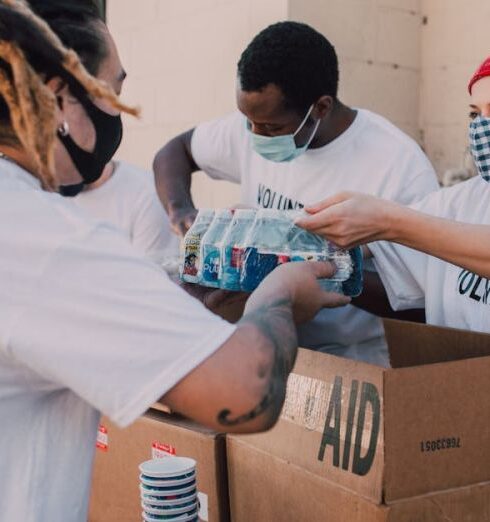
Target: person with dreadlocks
column 87, row 324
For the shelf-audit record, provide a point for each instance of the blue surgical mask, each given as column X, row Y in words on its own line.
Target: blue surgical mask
column 281, row 148
column 480, row 145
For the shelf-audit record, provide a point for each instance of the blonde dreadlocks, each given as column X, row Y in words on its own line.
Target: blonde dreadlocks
column 31, row 104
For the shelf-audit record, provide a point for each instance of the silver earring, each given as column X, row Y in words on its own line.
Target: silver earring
column 64, row 129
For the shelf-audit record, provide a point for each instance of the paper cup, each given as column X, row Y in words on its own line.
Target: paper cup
column 176, row 500
column 168, row 492
column 190, row 517
column 156, row 482
column 170, row 510
column 168, row 467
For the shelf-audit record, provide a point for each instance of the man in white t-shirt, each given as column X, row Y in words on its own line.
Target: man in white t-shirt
column 293, row 143
column 125, row 196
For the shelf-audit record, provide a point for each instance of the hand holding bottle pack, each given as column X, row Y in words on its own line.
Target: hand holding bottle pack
column 237, row 250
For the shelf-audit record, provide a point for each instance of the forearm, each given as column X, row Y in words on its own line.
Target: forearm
column 241, row 388
column 461, row 244
column 271, row 327
column 173, row 167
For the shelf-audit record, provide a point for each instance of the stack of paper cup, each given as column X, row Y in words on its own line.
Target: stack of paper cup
column 168, row 490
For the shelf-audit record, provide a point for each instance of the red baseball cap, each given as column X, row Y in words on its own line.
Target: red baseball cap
column 481, row 72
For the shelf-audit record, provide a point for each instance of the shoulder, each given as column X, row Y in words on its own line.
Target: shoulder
column 133, row 179
column 378, row 127
column 132, row 173
column 463, row 199
column 234, row 119
column 231, row 126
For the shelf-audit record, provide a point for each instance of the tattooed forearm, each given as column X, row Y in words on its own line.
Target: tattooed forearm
column 276, row 326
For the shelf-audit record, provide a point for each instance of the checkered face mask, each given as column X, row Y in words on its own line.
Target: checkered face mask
column 480, row 145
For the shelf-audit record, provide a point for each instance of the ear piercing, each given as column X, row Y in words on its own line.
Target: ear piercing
column 64, row 129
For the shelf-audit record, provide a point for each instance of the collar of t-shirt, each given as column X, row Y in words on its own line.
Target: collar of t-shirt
column 342, row 139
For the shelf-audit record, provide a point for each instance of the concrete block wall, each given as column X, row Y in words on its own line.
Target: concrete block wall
column 454, row 42
column 408, row 60
column 181, row 61
column 378, row 44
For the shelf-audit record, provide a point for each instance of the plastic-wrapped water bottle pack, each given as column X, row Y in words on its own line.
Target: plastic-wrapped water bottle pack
column 236, row 250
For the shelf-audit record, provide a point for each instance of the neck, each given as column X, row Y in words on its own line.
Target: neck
column 18, row 156
column 106, row 175
column 333, row 125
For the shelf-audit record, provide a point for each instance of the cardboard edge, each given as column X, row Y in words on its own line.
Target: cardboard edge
column 383, row 427
column 221, row 464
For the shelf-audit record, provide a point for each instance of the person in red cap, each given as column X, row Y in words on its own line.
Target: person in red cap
column 452, row 283
column 482, row 72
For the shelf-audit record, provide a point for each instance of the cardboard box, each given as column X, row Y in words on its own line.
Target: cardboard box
column 384, row 434
column 115, row 488
column 266, row 488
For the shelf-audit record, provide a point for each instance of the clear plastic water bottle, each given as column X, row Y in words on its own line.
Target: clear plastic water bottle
column 305, row 246
column 232, row 248
column 266, row 247
column 191, row 246
column 210, row 255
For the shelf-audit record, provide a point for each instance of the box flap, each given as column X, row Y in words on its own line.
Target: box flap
column 413, row 344
column 436, row 427
column 181, row 422
column 332, row 422
column 469, row 504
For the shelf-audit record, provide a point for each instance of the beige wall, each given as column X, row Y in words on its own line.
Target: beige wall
column 181, row 59
column 454, row 42
column 378, row 44
column 406, row 59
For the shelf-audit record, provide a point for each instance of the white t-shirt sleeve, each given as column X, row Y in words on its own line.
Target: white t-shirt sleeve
column 217, row 147
column 417, row 177
column 109, row 325
column 419, row 185
column 402, row 270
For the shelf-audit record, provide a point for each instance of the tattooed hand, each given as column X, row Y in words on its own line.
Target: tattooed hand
column 275, row 318
column 299, row 282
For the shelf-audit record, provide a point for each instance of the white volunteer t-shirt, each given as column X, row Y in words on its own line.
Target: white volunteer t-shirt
column 128, row 200
column 372, row 156
column 87, row 325
column 452, row 296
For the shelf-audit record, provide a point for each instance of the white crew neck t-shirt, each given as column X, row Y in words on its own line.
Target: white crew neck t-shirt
column 87, row 325
column 372, row 156
column 128, row 200
column 452, row 296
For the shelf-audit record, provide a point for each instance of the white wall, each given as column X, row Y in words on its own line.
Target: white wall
column 378, row 44
column 181, row 60
column 408, row 60
column 455, row 40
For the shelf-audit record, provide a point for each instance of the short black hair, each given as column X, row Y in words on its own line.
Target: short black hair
column 294, row 57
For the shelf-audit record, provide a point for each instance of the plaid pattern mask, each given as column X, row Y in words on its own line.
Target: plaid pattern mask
column 480, row 145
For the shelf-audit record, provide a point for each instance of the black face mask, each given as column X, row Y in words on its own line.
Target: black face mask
column 108, row 136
